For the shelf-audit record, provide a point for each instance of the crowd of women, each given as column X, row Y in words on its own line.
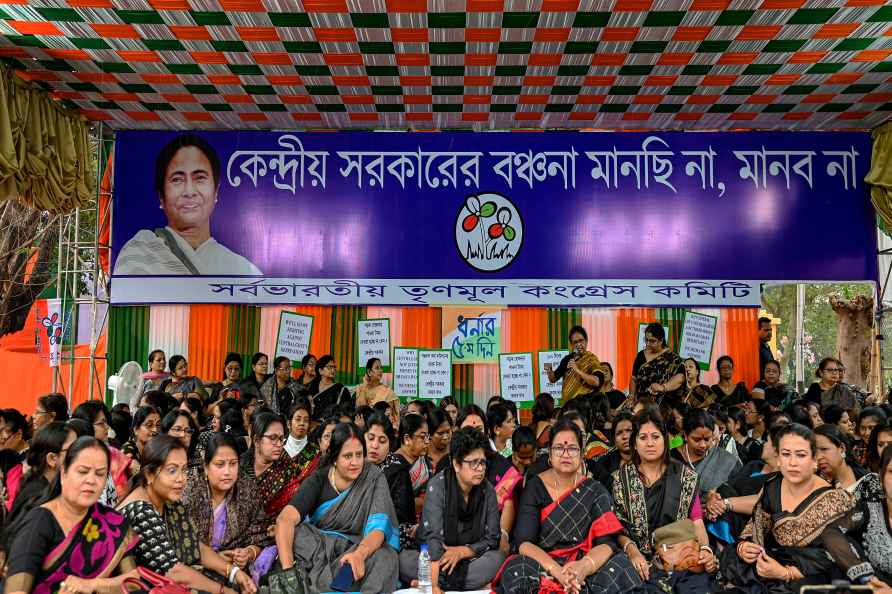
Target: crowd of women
column 264, row 480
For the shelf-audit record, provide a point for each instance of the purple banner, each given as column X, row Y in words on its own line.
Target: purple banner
column 492, row 206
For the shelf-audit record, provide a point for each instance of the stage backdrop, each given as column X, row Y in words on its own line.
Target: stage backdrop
column 593, row 219
column 205, row 333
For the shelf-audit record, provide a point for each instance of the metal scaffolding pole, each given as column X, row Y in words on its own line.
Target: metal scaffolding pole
column 81, row 282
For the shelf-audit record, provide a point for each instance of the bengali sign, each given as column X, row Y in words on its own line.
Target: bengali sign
column 516, row 377
column 554, row 359
column 493, row 292
column 405, row 372
column 483, row 219
column 293, row 338
column 474, row 335
column 434, row 373
column 698, row 338
column 373, row 340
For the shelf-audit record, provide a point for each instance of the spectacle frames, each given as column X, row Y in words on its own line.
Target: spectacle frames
column 274, row 439
column 475, row 464
column 561, row 451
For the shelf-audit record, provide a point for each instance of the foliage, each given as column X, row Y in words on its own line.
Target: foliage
column 819, row 336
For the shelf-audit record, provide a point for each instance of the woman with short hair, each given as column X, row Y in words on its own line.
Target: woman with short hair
column 460, row 521
column 50, row 408
column 726, row 391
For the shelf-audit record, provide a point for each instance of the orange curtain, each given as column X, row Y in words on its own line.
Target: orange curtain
column 26, row 374
column 627, row 321
column 527, row 329
column 743, row 342
column 208, row 341
column 422, row 327
column 320, row 341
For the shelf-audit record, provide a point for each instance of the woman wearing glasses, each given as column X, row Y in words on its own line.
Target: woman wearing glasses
column 327, row 393
column 225, row 509
column 460, row 521
column 655, row 491
column 276, row 474
column 829, row 388
column 414, row 438
column 181, row 425
column 146, row 423
column 232, row 373
column 96, row 415
column 280, row 391
column 566, row 530
column 168, row 543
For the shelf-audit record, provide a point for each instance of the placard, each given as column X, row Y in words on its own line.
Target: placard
column 697, row 338
column 472, row 333
column 641, row 327
column 434, row 373
column 553, row 357
column 405, row 372
column 516, row 377
column 293, row 337
column 373, row 340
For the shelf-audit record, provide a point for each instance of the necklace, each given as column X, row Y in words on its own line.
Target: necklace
column 555, row 484
column 333, row 481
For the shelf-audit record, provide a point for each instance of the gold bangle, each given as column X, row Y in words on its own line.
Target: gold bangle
column 589, row 559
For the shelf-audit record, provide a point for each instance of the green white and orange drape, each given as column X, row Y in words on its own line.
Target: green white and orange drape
column 205, row 333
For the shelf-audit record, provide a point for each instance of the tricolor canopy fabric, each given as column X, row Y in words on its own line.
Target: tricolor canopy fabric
column 608, row 64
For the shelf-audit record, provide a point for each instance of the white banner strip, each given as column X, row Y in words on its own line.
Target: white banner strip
column 655, row 293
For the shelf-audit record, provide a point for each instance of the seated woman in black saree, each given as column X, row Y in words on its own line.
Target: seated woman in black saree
column 861, row 540
column 378, row 436
column 566, row 531
column 655, row 491
column 460, row 521
column 835, row 467
column 71, row 544
column 781, row 548
column 327, row 394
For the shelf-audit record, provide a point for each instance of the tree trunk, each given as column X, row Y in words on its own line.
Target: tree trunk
column 854, row 321
column 27, row 241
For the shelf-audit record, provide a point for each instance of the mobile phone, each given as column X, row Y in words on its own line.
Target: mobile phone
column 343, row 581
column 837, row 587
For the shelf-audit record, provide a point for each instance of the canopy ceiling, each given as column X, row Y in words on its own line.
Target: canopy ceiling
column 483, row 64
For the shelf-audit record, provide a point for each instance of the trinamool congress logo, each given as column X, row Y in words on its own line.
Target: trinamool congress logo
column 488, row 232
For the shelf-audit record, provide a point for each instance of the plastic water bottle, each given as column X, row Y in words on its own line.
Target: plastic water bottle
column 424, row 571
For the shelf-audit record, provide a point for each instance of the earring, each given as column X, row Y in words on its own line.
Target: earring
column 843, row 455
